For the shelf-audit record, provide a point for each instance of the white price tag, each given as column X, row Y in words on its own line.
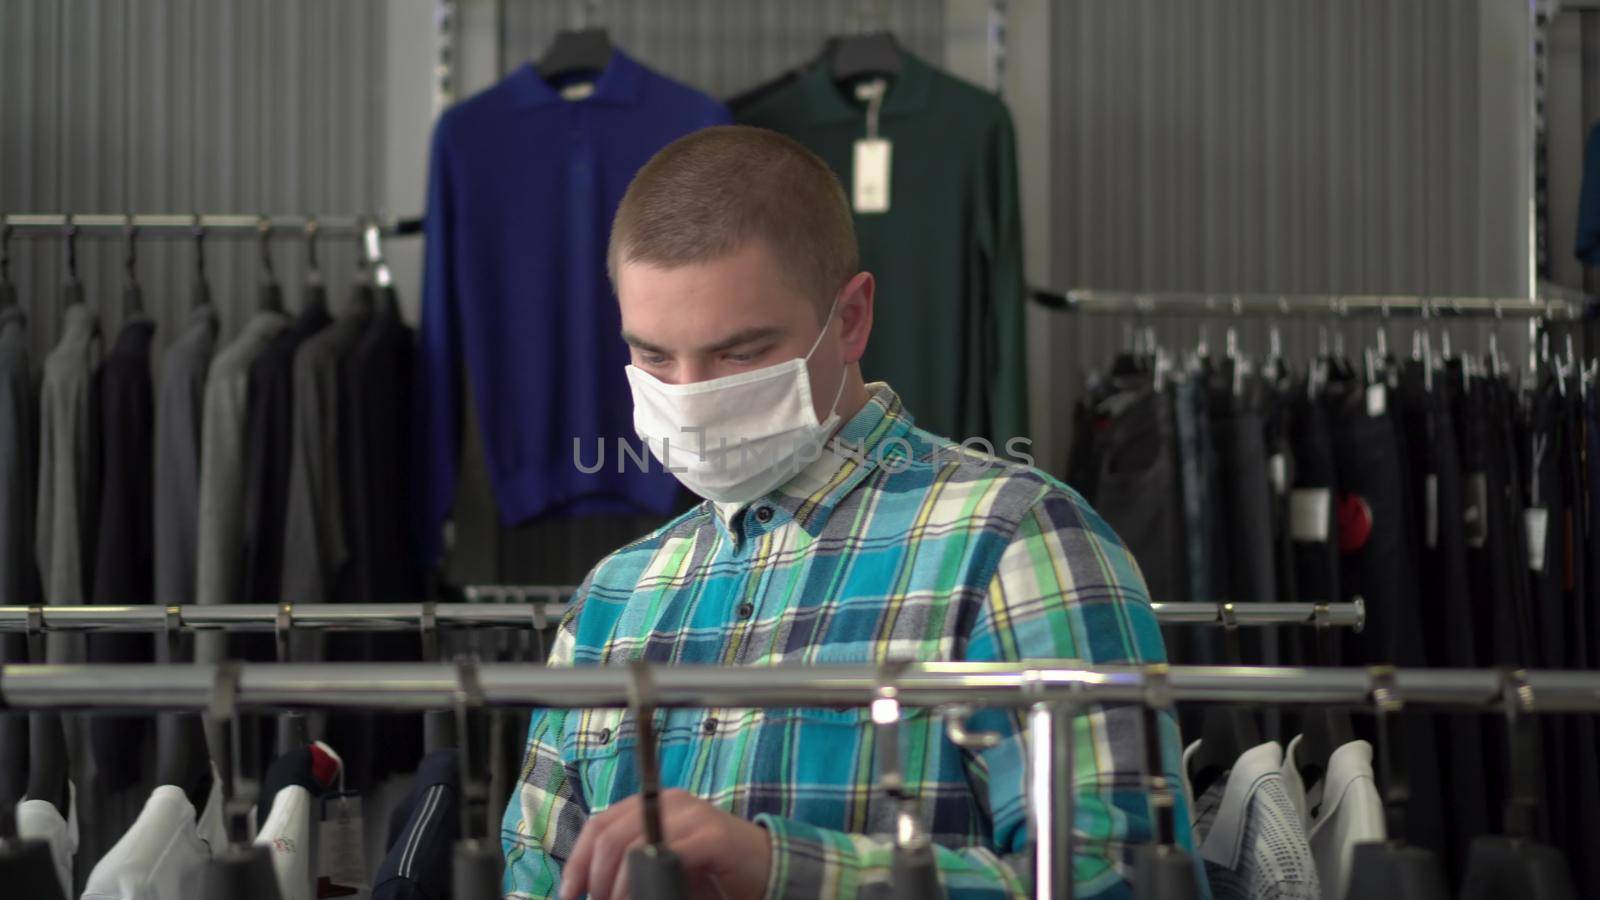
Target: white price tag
column 1377, row 400
column 1310, row 512
column 871, row 175
column 1538, row 527
column 341, row 849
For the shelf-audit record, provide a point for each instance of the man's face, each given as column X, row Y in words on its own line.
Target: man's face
column 709, row 320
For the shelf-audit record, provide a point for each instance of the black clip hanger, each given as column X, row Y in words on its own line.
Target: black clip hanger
column 914, row 874
column 271, row 297
column 132, row 294
column 1161, row 868
column 1396, row 788
column 223, row 713
column 292, row 729
column 653, row 870
column 72, row 290
column 200, row 295
column 1522, row 803
column 316, row 294
column 1158, row 699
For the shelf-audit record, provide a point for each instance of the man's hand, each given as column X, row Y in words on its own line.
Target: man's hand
column 720, row 851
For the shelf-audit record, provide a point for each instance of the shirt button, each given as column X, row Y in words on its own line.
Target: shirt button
column 746, row 610
column 763, row 514
column 709, row 726
column 605, row 735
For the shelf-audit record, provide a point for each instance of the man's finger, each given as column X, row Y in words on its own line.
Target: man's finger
column 610, row 848
column 575, row 872
column 608, row 866
column 620, row 887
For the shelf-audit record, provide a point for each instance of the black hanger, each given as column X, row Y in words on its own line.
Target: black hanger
column 913, row 872
column 1386, row 704
column 72, row 290
column 863, row 55
column 1522, row 738
column 271, row 297
column 201, row 292
column 47, row 738
column 1324, row 730
column 575, row 52
column 653, row 870
column 1162, row 870
column 1227, row 732
column 8, row 291
column 132, row 294
column 316, row 294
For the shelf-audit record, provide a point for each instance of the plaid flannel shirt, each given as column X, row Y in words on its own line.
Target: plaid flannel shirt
column 894, row 545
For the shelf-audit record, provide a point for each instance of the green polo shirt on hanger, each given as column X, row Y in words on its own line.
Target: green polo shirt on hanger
column 947, row 253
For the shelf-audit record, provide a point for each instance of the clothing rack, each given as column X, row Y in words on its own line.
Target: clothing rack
column 536, row 613
column 1081, row 300
column 182, row 225
column 421, row 686
column 1052, row 691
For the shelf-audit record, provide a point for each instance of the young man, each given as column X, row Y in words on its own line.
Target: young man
column 834, row 531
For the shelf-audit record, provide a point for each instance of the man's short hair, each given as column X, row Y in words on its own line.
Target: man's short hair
column 706, row 195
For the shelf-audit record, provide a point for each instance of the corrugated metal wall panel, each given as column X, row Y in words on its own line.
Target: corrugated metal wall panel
column 1285, row 146
column 721, row 46
column 186, row 105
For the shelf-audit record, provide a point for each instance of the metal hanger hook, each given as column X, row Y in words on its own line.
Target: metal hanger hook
column 199, row 248
column 130, row 237
column 264, row 229
column 311, row 246
column 72, row 248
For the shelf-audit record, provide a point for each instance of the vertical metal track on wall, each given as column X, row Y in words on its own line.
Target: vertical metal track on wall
column 444, row 47
column 1539, row 206
column 997, row 45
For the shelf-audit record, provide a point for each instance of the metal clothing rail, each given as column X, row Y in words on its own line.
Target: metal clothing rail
column 417, row 686
column 523, row 612
column 1307, row 305
column 1053, row 692
column 180, row 225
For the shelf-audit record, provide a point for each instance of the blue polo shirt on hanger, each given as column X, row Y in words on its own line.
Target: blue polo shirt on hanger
column 522, row 187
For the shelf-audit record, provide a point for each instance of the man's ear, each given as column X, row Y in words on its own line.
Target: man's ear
column 855, row 315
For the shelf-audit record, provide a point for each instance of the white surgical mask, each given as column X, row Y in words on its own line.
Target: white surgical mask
column 733, row 439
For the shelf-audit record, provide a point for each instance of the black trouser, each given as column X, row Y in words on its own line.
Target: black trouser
column 1382, row 571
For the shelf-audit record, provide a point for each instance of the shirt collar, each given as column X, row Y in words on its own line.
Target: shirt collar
column 828, row 103
column 619, row 84
column 849, row 456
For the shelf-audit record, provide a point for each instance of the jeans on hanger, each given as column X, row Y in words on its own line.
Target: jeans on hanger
column 1246, row 503
column 1545, row 517
column 1378, row 565
column 1192, row 477
column 1135, row 482
column 1446, row 603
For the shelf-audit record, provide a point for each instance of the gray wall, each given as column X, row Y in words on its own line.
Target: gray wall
column 1282, row 146
column 187, row 105
column 1273, row 145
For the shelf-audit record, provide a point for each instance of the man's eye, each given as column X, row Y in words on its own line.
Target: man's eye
column 750, row 356
column 652, row 359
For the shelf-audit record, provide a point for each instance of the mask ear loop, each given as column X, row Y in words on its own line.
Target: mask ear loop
column 828, row 320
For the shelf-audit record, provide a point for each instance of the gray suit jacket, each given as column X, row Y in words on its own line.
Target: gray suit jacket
column 67, row 470
column 222, row 455
column 179, row 400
